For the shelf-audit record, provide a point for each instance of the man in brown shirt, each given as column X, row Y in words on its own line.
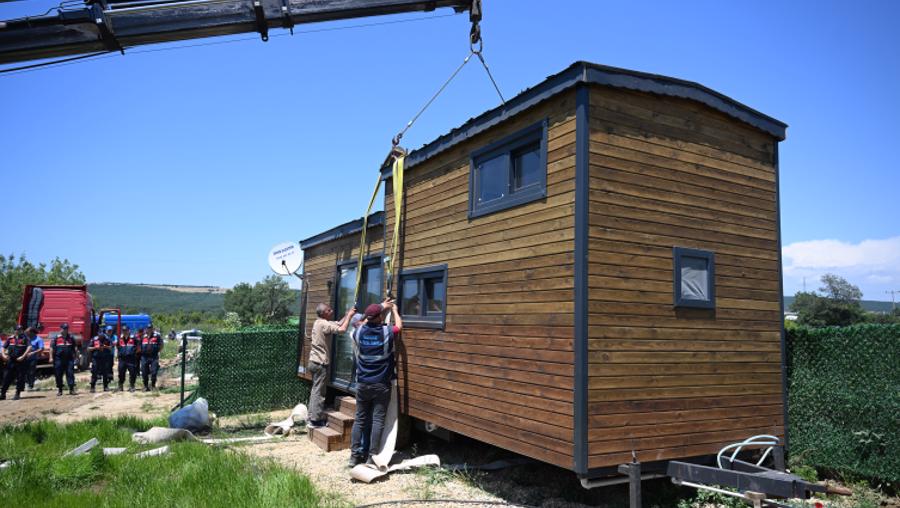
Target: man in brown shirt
column 319, row 357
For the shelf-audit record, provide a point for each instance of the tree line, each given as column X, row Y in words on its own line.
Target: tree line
column 837, row 303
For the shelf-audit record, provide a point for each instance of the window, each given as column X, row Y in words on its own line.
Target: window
column 694, row 278
column 423, row 296
column 509, row 172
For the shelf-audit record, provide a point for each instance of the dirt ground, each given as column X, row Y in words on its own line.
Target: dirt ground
column 43, row 403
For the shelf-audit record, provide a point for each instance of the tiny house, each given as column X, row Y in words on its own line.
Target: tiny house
column 587, row 273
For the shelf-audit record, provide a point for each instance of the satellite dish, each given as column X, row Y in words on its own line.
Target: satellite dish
column 286, row 258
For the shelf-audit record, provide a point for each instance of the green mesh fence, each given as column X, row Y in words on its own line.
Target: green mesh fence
column 844, row 398
column 250, row 371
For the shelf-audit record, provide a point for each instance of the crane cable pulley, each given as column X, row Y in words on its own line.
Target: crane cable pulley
column 397, row 156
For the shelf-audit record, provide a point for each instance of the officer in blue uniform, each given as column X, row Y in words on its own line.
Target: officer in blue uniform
column 37, row 346
column 15, row 354
column 127, row 350
column 113, row 349
column 151, row 346
column 101, row 353
column 63, row 351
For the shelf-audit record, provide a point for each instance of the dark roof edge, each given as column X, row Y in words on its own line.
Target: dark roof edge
column 586, row 72
column 346, row 229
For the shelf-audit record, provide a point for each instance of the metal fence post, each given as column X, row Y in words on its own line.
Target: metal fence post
column 183, row 365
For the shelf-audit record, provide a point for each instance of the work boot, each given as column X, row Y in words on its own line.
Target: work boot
column 355, row 460
column 59, row 392
column 146, row 388
column 93, row 389
column 121, row 387
column 131, row 389
column 18, row 395
column 105, row 388
column 72, row 391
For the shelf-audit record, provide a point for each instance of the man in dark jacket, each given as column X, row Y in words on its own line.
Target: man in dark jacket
column 151, row 346
column 15, row 353
column 127, row 353
column 101, row 355
column 373, row 345
column 63, row 351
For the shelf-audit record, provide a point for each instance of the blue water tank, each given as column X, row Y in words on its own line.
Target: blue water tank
column 133, row 321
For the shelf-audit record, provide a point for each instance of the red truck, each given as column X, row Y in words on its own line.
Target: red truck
column 52, row 306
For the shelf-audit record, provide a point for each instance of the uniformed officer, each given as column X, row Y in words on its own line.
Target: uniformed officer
column 37, row 347
column 114, row 348
column 127, row 352
column 151, row 346
column 101, row 353
column 63, row 352
column 15, row 353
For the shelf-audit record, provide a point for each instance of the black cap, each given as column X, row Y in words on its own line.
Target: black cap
column 64, row 326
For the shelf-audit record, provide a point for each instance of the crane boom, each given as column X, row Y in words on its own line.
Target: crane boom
column 113, row 25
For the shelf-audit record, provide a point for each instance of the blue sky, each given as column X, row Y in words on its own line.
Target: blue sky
column 205, row 157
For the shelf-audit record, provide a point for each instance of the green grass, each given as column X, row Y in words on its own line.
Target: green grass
column 190, row 475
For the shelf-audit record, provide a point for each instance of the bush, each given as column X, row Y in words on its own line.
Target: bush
column 844, row 398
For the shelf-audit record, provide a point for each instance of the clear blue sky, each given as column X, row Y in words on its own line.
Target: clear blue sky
column 205, row 157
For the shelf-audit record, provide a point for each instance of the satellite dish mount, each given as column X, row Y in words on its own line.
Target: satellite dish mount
column 286, row 259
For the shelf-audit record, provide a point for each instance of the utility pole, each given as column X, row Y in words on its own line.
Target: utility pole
column 893, row 302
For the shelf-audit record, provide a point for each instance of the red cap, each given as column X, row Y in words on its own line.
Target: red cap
column 373, row 310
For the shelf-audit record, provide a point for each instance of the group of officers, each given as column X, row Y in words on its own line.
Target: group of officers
column 20, row 353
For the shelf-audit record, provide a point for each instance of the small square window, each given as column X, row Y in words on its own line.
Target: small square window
column 509, row 172
column 423, row 296
column 694, row 278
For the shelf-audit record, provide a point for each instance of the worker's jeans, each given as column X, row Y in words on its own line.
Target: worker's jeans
column 372, row 402
column 65, row 366
column 317, row 393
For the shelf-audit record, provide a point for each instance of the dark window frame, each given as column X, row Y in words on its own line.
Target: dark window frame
column 423, row 319
column 535, row 133
column 368, row 261
column 678, row 254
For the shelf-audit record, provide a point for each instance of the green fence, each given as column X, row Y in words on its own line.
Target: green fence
column 844, row 398
column 250, row 371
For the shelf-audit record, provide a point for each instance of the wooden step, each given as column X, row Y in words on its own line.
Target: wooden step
column 346, row 405
column 328, row 440
column 339, row 422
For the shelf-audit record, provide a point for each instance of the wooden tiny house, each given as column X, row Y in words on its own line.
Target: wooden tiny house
column 591, row 270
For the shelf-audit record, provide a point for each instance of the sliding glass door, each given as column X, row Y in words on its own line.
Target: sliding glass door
column 342, row 372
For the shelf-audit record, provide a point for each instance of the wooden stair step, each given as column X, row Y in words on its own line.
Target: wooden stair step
column 346, row 405
column 339, row 422
column 327, row 439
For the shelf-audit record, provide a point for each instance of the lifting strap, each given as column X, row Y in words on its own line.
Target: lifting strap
column 397, row 174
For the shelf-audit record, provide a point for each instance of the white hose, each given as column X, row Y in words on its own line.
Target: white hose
column 760, row 440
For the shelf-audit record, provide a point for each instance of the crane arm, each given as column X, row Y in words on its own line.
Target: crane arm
column 113, row 25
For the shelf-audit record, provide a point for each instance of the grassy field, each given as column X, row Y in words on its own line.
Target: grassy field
column 190, row 475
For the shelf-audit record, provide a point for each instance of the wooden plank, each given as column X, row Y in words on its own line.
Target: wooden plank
column 666, row 310
column 554, row 264
column 673, row 322
column 688, row 415
column 536, row 365
column 607, row 221
column 650, row 332
column 551, row 243
column 466, row 238
column 617, row 210
column 476, row 297
column 460, row 294
column 683, row 357
column 622, row 182
column 521, row 342
column 682, row 404
column 654, row 430
column 681, row 345
column 606, row 232
column 515, row 330
column 686, row 440
column 558, row 413
column 693, row 381
column 664, row 251
column 597, row 370
column 655, row 393
column 458, row 375
column 421, row 357
column 495, row 412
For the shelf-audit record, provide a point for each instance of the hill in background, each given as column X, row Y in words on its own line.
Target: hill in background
column 163, row 299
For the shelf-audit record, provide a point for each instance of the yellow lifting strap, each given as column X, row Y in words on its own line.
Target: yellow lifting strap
column 397, row 175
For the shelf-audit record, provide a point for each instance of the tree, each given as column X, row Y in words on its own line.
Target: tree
column 239, row 300
column 839, row 304
column 15, row 274
column 273, row 299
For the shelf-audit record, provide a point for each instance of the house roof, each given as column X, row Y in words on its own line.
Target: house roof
column 586, row 72
column 346, row 229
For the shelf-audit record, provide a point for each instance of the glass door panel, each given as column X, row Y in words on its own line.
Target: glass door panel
column 342, row 363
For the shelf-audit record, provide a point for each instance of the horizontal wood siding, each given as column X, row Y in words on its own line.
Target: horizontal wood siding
column 502, row 370
column 320, row 268
column 668, row 172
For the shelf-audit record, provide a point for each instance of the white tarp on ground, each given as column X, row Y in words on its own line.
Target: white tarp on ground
column 162, row 435
column 286, row 427
column 382, row 461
